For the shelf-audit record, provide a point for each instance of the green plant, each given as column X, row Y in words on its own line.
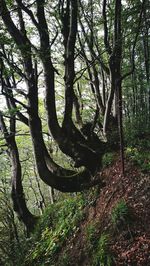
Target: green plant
column 91, row 234
column 107, row 159
column 120, row 213
column 58, row 223
column 64, row 260
column 136, row 133
column 103, row 257
column 140, row 157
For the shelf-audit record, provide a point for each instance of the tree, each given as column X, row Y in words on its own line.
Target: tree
column 68, row 137
column 79, row 45
column 19, row 203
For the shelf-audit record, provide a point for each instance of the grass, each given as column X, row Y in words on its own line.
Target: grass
column 91, row 235
column 120, row 213
column 102, row 256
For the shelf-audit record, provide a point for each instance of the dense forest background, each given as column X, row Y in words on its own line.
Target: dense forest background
column 74, row 101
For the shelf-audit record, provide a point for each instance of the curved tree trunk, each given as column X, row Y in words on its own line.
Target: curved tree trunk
column 69, row 138
column 17, row 194
column 73, row 144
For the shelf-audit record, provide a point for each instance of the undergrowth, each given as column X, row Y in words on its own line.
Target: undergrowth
column 91, row 235
column 58, row 223
column 120, row 213
column 98, row 246
column 102, row 256
column 139, row 157
column 108, row 159
column 137, row 141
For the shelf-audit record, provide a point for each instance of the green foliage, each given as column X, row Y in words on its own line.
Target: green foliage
column 139, row 157
column 91, row 234
column 137, row 139
column 103, row 256
column 64, row 260
column 13, row 242
column 99, row 247
column 137, row 133
column 58, row 223
column 13, row 111
column 89, row 196
column 120, row 213
column 10, row 3
column 5, row 39
column 108, row 159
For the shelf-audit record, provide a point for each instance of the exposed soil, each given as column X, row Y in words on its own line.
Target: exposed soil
column 130, row 240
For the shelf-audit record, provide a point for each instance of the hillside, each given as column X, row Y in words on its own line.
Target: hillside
column 103, row 226
column 120, row 212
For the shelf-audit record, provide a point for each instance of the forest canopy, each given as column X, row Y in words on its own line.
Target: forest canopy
column 73, row 75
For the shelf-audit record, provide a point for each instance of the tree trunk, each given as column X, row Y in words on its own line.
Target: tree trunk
column 17, row 194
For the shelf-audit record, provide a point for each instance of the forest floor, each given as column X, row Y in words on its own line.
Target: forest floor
column 121, row 211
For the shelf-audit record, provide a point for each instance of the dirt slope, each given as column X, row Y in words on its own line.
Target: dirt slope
column 129, row 237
